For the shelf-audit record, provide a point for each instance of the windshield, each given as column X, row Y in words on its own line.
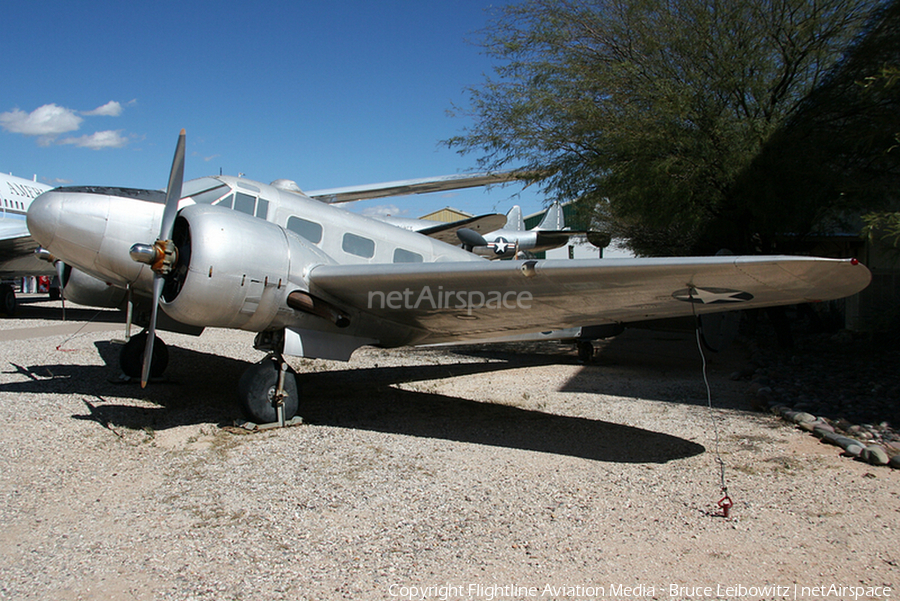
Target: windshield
column 204, row 190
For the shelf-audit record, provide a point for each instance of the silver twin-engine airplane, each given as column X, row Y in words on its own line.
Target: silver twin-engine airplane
column 315, row 280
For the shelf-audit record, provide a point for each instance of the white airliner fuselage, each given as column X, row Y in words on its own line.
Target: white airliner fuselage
column 16, row 244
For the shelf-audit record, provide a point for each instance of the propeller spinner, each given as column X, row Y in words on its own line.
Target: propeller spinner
column 162, row 255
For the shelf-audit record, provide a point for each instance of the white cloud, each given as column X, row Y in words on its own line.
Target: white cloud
column 383, row 211
column 99, row 140
column 47, row 120
column 110, row 109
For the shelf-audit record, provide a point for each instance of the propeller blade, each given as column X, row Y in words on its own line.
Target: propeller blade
column 173, row 195
column 158, row 283
column 173, row 190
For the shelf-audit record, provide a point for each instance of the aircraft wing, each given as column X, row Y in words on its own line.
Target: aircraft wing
column 449, row 302
column 17, row 256
column 415, row 186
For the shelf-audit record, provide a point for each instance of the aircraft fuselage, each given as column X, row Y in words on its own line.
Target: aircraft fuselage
column 229, row 278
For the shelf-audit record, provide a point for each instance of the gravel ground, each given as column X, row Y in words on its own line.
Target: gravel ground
column 482, row 470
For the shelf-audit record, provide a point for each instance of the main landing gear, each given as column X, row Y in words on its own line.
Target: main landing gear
column 585, row 351
column 8, row 303
column 267, row 391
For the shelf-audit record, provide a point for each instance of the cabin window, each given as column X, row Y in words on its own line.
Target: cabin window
column 305, row 229
column 244, row 203
column 406, row 256
column 359, row 246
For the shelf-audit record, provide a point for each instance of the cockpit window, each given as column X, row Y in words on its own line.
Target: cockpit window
column 210, row 196
column 262, row 208
column 204, row 190
column 244, row 203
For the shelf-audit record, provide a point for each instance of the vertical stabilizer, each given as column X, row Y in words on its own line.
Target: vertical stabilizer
column 514, row 219
column 553, row 220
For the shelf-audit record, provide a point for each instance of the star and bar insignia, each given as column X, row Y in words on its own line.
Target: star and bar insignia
column 711, row 296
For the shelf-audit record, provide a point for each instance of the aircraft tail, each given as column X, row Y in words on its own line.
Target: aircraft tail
column 514, row 219
column 553, row 219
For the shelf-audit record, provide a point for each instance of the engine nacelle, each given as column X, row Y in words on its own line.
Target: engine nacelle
column 234, row 270
column 83, row 289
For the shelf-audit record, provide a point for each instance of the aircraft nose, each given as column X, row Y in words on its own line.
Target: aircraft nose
column 43, row 217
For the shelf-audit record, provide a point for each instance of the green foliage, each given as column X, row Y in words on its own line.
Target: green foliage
column 650, row 109
column 883, row 227
column 835, row 158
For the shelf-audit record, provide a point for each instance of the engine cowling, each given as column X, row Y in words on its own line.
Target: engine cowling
column 83, row 289
column 234, row 270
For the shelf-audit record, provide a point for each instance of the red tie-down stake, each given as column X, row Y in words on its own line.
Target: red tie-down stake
column 725, row 503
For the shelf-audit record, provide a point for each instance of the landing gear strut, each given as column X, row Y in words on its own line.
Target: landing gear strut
column 268, row 391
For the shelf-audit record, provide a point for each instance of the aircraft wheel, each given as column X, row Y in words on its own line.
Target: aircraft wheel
column 131, row 358
column 256, row 391
column 585, row 351
column 8, row 298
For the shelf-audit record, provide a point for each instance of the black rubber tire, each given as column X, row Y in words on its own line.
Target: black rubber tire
column 256, row 390
column 131, row 357
column 8, row 299
column 585, row 351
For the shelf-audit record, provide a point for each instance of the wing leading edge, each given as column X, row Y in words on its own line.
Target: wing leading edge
column 449, row 302
column 417, row 186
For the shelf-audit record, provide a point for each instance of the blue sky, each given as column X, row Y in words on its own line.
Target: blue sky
column 327, row 93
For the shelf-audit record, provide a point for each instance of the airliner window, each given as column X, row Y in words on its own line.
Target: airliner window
column 306, row 229
column 406, row 256
column 244, row 203
column 262, row 208
column 226, row 202
column 359, row 246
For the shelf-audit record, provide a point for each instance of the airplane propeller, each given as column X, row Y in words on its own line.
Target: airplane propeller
column 470, row 238
column 162, row 255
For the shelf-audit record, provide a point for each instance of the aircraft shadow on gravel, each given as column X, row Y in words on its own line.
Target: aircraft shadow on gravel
column 199, row 388
column 29, row 309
